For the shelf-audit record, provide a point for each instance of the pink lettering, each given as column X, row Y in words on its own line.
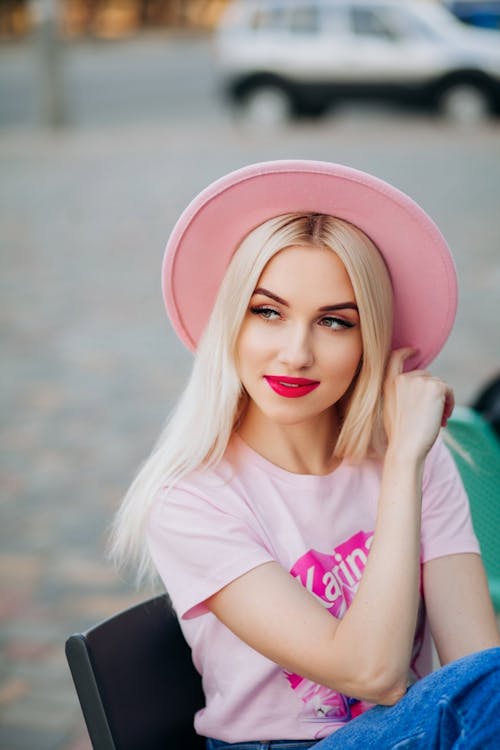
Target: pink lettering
column 332, row 588
column 310, row 586
column 333, row 578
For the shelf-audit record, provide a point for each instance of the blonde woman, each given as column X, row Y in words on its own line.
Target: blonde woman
column 301, row 508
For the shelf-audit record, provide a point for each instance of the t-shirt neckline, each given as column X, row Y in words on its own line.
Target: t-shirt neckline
column 259, row 461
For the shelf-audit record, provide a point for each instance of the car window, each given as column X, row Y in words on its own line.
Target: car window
column 267, row 19
column 368, row 22
column 303, row 19
column 333, row 18
column 298, row 19
column 407, row 25
column 387, row 23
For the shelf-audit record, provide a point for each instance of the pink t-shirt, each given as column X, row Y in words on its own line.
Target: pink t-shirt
column 217, row 524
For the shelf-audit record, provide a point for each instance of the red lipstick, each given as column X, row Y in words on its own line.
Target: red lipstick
column 291, row 387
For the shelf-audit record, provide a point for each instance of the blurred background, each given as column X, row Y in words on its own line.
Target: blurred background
column 113, row 114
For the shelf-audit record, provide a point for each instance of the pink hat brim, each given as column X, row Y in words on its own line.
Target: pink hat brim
column 213, row 225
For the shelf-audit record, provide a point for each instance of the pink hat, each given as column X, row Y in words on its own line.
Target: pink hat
column 216, row 221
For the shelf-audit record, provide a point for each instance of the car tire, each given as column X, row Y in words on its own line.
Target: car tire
column 266, row 106
column 465, row 103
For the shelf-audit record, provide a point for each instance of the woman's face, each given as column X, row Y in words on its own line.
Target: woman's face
column 300, row 343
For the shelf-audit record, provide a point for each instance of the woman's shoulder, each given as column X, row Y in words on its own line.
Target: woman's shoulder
column 208, row 482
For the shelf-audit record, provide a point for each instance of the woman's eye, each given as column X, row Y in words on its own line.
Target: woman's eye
column 335, row 323
column 265, row 312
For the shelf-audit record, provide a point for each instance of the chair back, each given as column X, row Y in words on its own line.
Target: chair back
column 136, row 682
column 481, row 477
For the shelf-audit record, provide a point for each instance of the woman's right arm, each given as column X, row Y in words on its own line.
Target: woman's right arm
column 366, row 654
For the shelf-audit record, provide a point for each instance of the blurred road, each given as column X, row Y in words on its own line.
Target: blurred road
column 90, row 367
column 108, row 83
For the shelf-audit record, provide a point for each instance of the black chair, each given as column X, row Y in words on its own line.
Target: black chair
column 136, row 682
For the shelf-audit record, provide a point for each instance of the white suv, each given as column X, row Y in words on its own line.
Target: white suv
column 279, row 58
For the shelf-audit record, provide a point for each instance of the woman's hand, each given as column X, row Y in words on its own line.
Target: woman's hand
column 416, row 406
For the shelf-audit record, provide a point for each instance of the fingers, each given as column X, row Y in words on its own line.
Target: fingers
column 397, row 360
column 416, row 403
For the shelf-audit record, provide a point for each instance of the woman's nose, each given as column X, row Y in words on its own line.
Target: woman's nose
column 296, row 350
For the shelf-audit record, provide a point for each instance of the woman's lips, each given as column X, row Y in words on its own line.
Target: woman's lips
column 291, row 387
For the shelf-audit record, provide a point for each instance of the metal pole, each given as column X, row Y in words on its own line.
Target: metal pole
column 52, row 100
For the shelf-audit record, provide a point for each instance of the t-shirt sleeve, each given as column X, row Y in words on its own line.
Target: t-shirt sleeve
column 198, row 547
column 446, row 522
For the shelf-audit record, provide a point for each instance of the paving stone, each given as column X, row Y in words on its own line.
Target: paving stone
column 12, row 689
column 27, row 650
column 31, row 738
column 46, row 711
column 80, row 741
column 100, row 607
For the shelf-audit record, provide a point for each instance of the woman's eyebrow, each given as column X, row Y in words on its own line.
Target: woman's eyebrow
column 340, row 306
column 325, row 308
column 267, row 293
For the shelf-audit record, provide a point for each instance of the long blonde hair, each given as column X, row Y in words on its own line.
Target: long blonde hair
column 200, row 427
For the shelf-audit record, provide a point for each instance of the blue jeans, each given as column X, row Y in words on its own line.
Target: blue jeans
column 455, row 708
column 272, row 745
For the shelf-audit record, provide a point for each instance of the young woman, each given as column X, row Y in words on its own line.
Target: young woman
column 304, row 514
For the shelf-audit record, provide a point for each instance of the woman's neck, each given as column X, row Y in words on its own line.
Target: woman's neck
column 305, row 448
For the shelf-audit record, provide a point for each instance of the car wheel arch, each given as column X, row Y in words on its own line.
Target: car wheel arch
column 465, row 96
column 243, row 85
column 470, row 76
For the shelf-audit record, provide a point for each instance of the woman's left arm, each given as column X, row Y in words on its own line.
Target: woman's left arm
column 458, row 605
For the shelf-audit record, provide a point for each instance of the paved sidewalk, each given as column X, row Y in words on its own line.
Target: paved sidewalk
column 90, row 367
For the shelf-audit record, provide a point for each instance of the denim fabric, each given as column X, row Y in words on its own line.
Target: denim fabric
column 455, row 708
column 273, row 745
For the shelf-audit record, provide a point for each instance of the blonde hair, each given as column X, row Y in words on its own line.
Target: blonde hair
column 200, row 427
